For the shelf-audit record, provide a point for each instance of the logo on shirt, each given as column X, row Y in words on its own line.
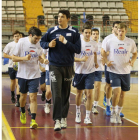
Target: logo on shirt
column 33, row 47
column 32, row 52
column 57, row 35
column 87, row 52
column 120, row 44
column 68, row 34
column 120, row 51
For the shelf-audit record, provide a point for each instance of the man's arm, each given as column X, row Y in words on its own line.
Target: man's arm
column 95, row 60
column 18, row 59
column 74, row 47
column 83, row 59
column 134, row 57
column 7, row 56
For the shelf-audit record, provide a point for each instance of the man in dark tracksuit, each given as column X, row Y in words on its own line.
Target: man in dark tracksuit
column 63, row 41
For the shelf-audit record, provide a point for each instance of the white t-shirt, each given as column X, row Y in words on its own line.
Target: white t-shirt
column 87, row 48
column 120, row 54
column 9, row 48
column 28, row 69
column 46, row 52
column 99, row 61
column 106, row 38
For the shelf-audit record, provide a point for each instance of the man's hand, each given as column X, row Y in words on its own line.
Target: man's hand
column 46, row 61
column 131, row 63
column 96, row 65
column 52, row 44
column 85, row 58
column 109, row 63
column 62, row 39
column 28, row 57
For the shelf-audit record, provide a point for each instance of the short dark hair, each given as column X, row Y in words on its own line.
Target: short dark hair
column 65, row 12
column 16, row 32
column 34, row 31
column 23, row 35
column 87, row 25
column 116, row 22
column 95, row 29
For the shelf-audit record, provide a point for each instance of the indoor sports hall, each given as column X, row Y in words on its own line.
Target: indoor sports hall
column 21, row 15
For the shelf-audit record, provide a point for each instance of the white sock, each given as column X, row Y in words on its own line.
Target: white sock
column 108, row 102
column 87, row 113
column 119, row 109
column 77, row 109
column 114, row 109
column 95, row 103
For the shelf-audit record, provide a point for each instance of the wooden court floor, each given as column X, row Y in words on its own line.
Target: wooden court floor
column 101, row 129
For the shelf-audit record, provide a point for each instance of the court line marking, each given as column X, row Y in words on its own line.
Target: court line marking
column 123, row 117
column 80, row 127
column 11, row 135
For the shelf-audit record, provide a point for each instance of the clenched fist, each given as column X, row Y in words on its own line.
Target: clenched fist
column 28, row 57
column 61, row 38
column 52, row 44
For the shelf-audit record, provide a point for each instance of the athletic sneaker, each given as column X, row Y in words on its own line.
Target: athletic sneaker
column 78, row 117
column 121, row 114
column 94, row 110
column 57, row 126
column 63, row 123
column 87, row 121
column 47, row 108
column 118, row 118
column 29, row 111
column 108, row 112
column 17, row 104
column 23, row 118
column 13, row 99
column 113, row 118
column 43, row 97
column 33, row 124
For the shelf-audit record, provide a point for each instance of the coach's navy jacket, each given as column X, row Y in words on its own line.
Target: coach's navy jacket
column 62, row 54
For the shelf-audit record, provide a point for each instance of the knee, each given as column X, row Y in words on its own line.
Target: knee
column 33, row 98
column 22, row 97
column 89, row 95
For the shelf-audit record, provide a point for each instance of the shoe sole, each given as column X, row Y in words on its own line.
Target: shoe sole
column 57, row 129
column 88, row 123
column 34, row 126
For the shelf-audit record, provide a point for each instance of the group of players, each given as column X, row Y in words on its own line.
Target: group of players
column 54, row 55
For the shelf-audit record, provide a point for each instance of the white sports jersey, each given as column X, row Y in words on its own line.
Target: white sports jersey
column 120, row 54
column 9, row 48
column 87, row 48
column 106, row 38
column 99, row 61
column 28, row 69
column 46, row 52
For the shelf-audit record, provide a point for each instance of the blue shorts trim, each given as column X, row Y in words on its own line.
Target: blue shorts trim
column 12, row 73
column 107, row 79
column 98, row 76
column 42, row 78
column 47, row 78
column 30, row 86
column 83, row 81
column 120, row 80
